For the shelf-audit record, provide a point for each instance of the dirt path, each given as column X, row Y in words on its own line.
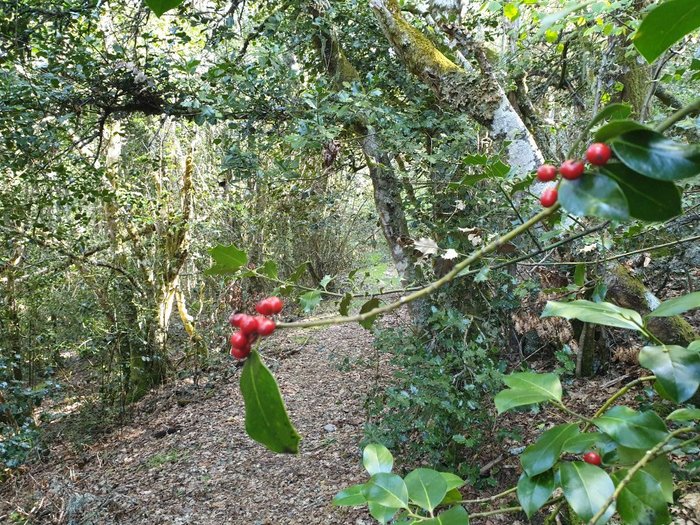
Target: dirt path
column 207, row 471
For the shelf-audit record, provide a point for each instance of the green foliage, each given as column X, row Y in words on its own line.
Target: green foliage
column 664, row 25
column 435, row 404
column 161, row 6
column 266, row 419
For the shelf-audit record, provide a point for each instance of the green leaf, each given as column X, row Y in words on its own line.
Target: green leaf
column 599, row 313
column 388, row 490
column 593, row 196
column 534, row 492
column 511, row 11
column 544, row 453
column 161, row 6
column 677, row 305
column 454, row 516
column 632, row 429
column 580, row 275
column 266, row 419
column 616, row 110
column 310, row 300
column 381, row 513
column 660, row 468
column 351, row 496
column 647, row 199
column 426, row 488
column 269, row 269
column 452, row 496
column 583, row 442
column 665, row 25
column 298, row 272
column 376, row 458
column 368, row 307
column 586, row 488
column 227, row 259
column 453, row 481
column 552, row 19
column 684, row 414
column 615, row 128
column 653, row 155
column 641, row 501
column 675, row 367
column 527, row 388
column 344, row 306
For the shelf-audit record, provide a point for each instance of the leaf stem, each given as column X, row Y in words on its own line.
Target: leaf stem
column 502, row 510
column 650, row 455
column 617, row 395
column 427, row 290
column 566, row 409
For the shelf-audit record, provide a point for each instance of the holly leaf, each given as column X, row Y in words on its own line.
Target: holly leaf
column 227, row 259
column 161, row 6
column 641, row 501
column 665, row 25
column 586, row 488
column 534, row 492
column 615, row 128
column 266, row 418
column 632, row 429
column 527, row 388
column 544, row 453
column 651, row 154
column 593, row 195
column 675, row 367
column 368, row 307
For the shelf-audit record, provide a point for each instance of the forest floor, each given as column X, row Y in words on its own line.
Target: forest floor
column 183, row 456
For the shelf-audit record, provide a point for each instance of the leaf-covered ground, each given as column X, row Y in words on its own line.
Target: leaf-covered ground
column 184, row 457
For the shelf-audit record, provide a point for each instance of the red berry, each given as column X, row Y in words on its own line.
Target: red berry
column 598, row 154
column 248, row 325
column 592, row 457
column 265, row 326
column 264, row 307
column 571, row 169
column 549, row 196
column 240, row 353
column 276, row 304
column 546, row 173
column 235, row 319
column 239, row 341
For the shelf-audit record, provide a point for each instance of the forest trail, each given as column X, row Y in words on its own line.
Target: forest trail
column 184, row 458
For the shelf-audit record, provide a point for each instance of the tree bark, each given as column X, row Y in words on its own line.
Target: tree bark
column 475, row 93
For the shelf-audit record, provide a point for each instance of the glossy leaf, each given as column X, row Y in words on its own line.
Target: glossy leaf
column 677, row 305
column 388, row 490
column 615, row 128
column 647, row 199
column 616, row 110
column 665, row 25
column 527, row 388
column 452, row 496
column 586, row 488
column 675, row 367
column 266, row 419
column 426, row 488
column 269, row 269
column 653, row 155
column 583, row 442
column 161, row 6
column 603, row 313
column 660, row 468
column 351, row 496
column 344, row 306
column 453, row 481
column 684, row 414
column 310, row 300
column 593, row 195
column 454, row 516
column 376, row 458
column 632, row 429
column 368, row 307
column 641, row 501
column 544, row 453
column 227, row 259
column 534, row 492
column 380, row 512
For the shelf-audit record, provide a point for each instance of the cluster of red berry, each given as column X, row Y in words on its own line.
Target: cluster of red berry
column 597, row 154
column 250, row 327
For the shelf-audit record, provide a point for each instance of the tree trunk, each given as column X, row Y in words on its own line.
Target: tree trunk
column 477, row 94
